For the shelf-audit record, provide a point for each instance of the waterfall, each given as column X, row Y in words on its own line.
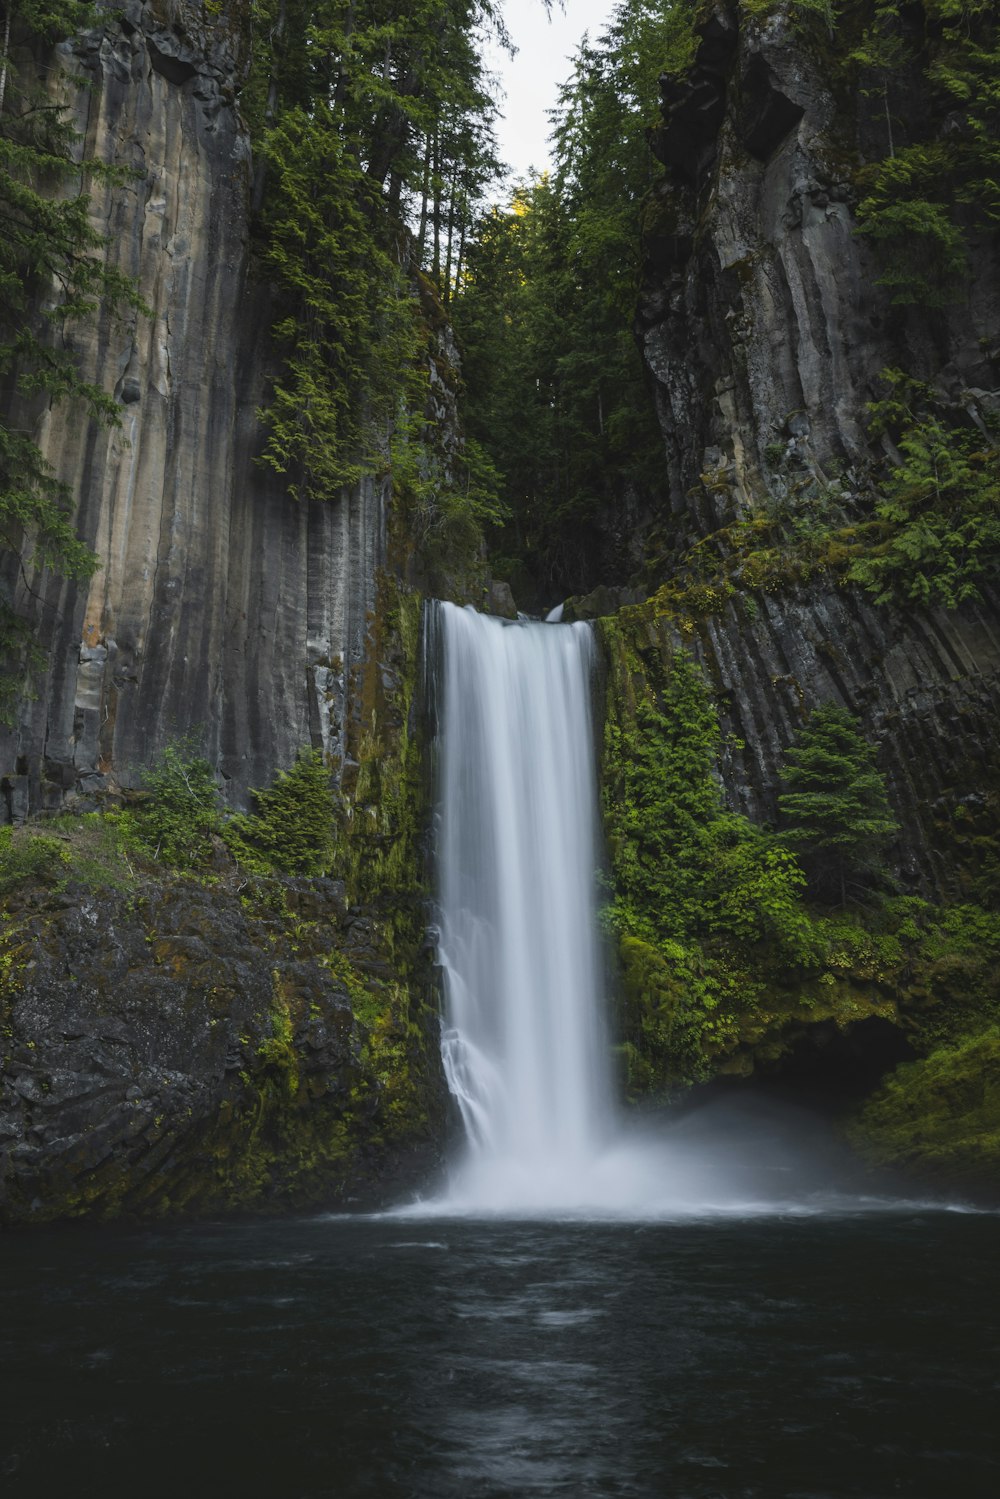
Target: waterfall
column 524, row 1046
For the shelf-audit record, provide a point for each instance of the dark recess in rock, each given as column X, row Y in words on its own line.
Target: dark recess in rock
column 171, row 60
column 765, row 114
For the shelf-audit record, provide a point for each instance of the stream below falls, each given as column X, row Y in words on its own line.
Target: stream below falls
column 818, row 1355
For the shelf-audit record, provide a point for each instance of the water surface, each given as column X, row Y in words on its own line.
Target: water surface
column 810, row 1356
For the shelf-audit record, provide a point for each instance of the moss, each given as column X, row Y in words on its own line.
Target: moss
column 277, row 1052
column 317, row 1101
column 938, row 1119
column 725, row 967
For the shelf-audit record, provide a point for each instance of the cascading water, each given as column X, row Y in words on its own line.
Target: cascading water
column 524, row 1044
column 524, row 1047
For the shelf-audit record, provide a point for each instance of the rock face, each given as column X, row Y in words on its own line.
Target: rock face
column 763, row 331
column 221, row 606
column 179, row 1052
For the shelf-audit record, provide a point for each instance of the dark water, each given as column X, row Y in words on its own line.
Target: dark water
column 819, row 1357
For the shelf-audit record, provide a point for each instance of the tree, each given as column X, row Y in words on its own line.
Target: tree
column 293, row 828
column 926, row 203
column 834, row 803
column 555, row 387
column 372, row 127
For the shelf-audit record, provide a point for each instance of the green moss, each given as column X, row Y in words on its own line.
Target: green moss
column 724, row 964
column 939, row 1118
column 282, row 1134
column 277, row 1052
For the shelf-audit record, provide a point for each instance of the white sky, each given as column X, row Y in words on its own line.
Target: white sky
column 531, row 80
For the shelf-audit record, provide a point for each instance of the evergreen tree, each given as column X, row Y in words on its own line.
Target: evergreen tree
column 373, row 131
column 834, row 804
column 555, row 387
column 293, row 827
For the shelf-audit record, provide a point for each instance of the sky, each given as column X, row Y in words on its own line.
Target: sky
column 531, row 79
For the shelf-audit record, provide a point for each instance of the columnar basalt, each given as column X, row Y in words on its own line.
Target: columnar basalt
column 222, row 607
column 764, row 329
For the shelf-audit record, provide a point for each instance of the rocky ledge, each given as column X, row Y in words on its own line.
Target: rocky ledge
column 189, row 1049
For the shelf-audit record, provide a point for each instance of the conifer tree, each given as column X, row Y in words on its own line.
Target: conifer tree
column 834, row 804
column 293, row 827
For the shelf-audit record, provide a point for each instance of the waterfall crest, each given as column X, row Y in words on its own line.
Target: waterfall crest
column 524, row 1047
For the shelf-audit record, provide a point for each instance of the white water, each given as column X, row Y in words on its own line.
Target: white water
column 524, row 1045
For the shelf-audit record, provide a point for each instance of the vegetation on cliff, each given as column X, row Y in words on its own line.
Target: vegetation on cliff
column 834, row 805
column 554, row 383
column 372, row 128
column 259, row 996
column 732, row 956
column 554, row 386
column 373, row 151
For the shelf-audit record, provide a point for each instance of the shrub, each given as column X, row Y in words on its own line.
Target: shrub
column 29, row 856
column 175, row 823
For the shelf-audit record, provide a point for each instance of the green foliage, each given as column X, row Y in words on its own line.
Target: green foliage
column 87, row 850
column 706, row 905
column 933, row 537
column 449, row 501
column 683, row 866
column 940, row 1117
column 179, row 819
column 923, row 247
column 923, row 200
column 965, row 929
column 754, row 892
column 369, row 117
column 175, row 822
column 834, row 804
column 555, row 389
column 723, row 962
column 352, row 335
column 50, row 277
column 29, row 857
column 675, row 998
column 293, row 828
column 938, row 507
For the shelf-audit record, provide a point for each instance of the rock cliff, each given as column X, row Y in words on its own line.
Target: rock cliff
column 764, row 328
column 189, row 1050
column 221, row 606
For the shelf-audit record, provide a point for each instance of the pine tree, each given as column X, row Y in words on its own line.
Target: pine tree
column 293, row 827
column 834, row 803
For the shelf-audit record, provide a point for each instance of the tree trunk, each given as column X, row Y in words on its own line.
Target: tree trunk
column 446, row 288
column 436, row 214
column 270, row 110
column 424, row 199
column 6, row 54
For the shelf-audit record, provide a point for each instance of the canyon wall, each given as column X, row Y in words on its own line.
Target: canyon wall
column 222, row 608
column 764, row 328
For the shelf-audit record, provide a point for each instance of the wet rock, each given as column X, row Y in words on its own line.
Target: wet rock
column 174, row 1053
column 768, row 333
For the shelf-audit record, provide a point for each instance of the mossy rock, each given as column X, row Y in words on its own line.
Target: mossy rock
column 938, row 1119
